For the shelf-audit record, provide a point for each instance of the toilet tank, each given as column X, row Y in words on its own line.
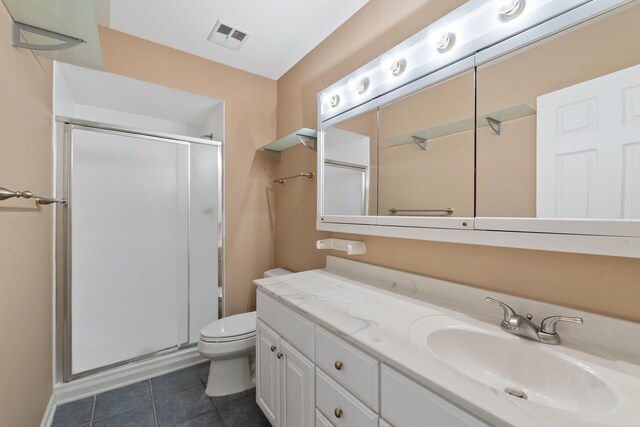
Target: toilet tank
column 276, row 272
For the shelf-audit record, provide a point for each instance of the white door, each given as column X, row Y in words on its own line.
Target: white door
column 298, row 388
column 588, row 159
column 267, row 372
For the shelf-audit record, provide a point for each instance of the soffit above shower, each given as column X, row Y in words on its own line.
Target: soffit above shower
column 280, row 32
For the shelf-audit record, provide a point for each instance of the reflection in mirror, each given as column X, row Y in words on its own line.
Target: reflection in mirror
column 573, row 150
column 349, row 157
column 426, row 156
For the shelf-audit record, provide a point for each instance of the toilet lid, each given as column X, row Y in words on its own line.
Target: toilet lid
column 230, row 328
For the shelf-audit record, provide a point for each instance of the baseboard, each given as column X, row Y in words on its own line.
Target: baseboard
column 47, row 418
column 125, row 375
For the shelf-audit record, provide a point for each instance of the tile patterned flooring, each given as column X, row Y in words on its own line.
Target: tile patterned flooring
column 174, row 399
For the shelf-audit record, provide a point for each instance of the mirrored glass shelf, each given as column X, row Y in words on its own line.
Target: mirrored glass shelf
column 303, row 136
column 495, row 120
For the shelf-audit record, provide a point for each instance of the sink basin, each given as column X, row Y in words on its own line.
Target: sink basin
column 524, row 370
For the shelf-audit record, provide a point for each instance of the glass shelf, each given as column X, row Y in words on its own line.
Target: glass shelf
column 304, row 136
column 75, row 18
column 495, row 120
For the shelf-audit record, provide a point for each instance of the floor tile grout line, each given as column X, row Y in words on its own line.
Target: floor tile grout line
column 153, row 404
column 122, row 412
column 93, row 409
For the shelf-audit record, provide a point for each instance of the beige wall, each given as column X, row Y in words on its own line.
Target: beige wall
column 250, row 111
column 607, row 285
column 26, row 242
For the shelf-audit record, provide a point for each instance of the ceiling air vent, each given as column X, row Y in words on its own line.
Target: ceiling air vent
column 227, row 36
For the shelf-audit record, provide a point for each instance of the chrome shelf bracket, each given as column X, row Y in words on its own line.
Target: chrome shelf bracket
column 496, row 125
column 423, row 143
column 308, row 141
column 17, row 28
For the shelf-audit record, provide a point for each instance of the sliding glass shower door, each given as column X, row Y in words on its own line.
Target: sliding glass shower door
column 144, row 233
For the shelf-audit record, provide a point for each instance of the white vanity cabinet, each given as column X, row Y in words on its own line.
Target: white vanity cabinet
column 267, row 372
column 285, row 381
column 308, row 376
column 352, row 368
column 406, row 403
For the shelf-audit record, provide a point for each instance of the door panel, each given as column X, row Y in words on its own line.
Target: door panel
column 588, row 160
column 267, row 372
column 129, row 276
column 205, row 237
column 298, row 388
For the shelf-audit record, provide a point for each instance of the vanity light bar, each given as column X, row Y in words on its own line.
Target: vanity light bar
column 468, row 29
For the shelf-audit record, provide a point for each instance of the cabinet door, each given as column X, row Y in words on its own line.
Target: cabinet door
column 267, row 372
column 297, row 392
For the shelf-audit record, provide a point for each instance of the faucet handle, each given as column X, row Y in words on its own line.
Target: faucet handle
column 548, row 325
column 508, row 311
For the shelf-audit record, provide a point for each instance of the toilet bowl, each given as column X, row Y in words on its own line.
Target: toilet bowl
column 230, row 344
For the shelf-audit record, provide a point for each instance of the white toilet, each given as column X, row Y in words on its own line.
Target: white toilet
column 230, row 343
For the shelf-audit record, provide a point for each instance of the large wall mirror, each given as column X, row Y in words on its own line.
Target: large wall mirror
column 568, row 146
column 426, row 151
column 529, row 141
column 349, row 177
column 407, row 161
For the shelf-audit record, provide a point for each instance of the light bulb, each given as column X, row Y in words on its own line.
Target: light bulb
column 398, row 67
column 362, row 85
column 446, row 42
column 334, row 100
column 511, row 8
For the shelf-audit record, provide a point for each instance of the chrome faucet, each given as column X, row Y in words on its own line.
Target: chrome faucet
column 523, row 326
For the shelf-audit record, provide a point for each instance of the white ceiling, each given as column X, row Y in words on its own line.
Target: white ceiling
column 281, row 32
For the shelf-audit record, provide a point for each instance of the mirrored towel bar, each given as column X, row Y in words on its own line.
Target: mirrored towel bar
column 40, row 200
column 445, row 211
column 300, row 175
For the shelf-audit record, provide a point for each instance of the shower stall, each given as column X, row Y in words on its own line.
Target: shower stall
column 139, row 242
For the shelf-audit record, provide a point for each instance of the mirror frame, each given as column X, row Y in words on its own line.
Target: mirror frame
column 609, row 237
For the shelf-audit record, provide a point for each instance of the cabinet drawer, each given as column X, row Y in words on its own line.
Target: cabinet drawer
column 406, row 403
column 349, row 366
column 322, row 421
column 296, row 329
column 341, row 407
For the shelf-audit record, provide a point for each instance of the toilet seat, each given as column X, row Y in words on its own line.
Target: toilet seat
column 230, row 329
column 227, row 339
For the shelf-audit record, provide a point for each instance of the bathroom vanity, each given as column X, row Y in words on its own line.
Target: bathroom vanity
column 360, row 345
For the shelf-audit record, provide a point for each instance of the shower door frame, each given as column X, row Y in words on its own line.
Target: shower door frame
column 63, row 225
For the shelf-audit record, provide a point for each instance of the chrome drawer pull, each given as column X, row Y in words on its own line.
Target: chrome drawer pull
column 338, row 365
column 337, row 412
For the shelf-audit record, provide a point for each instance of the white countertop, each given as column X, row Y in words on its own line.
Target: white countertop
column 383, row 322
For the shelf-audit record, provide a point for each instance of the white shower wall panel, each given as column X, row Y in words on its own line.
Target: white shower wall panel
column 205, row 237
